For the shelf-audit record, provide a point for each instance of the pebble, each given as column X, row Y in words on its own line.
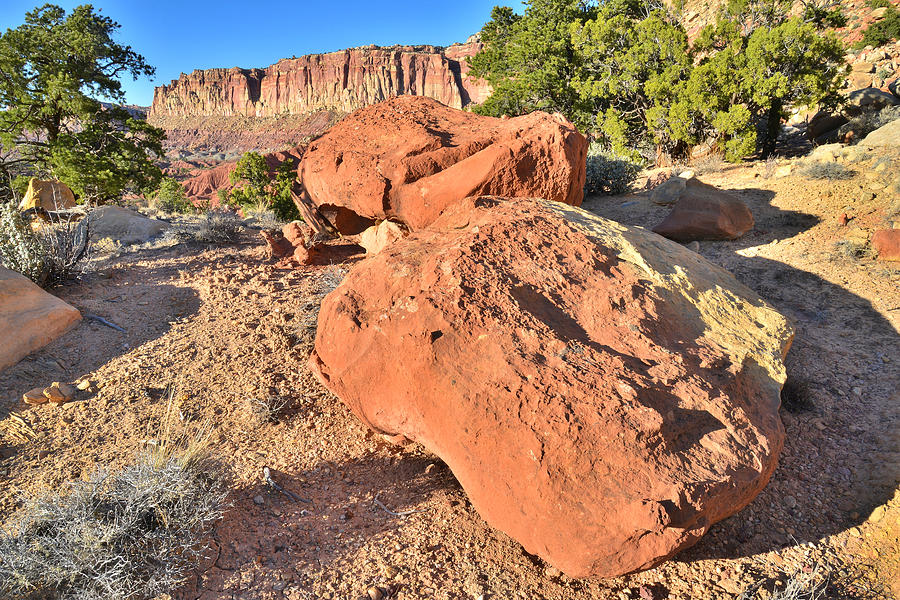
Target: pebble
column 34, row 396
column 259, row 499
column 790, row 501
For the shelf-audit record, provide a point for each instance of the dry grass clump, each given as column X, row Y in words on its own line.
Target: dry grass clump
column 852, row 250
column 133, row 534
column 827, row 170
column 217, row 226
column 268, row 409
column 328, row 280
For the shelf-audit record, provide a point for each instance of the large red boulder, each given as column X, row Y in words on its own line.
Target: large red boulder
column 602, row 394
column 704, row 212
column 410, row 157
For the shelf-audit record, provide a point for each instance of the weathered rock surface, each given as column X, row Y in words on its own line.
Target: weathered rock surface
column 704, row 212
column 47, row 195
column 409, row 158
column 30, row 318
column 343, row 81
column 378, row 237
column 602, row 394
column 886, row 242
column 869, row 99
column 886, row 135
column 123, row 225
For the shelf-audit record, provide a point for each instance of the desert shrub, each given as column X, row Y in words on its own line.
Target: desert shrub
column 65, row 246
column 20, row 248
column 879, row 3
column 51, row 255
column 827, row 170
column 607, row 174
column 171, row 197
column 132, row 534
column 852, row 250
column 268, row 409
column 881, row 32
column 217, row 226
column 824, row 13
column 255, row 187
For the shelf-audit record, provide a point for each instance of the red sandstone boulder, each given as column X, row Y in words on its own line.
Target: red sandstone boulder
column 704, row 212
column 30, row 318
column 886, row 243
column 409, row 158
column 603, row 395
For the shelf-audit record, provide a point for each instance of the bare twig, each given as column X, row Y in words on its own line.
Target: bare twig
column 267, row 477
column 103, row 321
column 404, row 513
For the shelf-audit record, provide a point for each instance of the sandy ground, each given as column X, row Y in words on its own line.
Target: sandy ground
column 225, row 327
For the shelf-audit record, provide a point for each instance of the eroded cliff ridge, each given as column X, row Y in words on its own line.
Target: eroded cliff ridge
column 338, row 81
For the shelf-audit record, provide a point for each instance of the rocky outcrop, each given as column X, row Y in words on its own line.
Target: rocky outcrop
column 30, row 318
column 886, row 243
column 602, row 394
column 409, row 158
column 123, row 225
column 340, row 81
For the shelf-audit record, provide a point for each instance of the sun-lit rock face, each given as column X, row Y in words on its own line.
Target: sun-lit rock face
column 342, row 81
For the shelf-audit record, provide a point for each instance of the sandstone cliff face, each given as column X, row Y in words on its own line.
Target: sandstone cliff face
column 340, row 81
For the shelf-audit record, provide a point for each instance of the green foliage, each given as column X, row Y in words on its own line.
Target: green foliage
column 54, row 67
column 257, row 188
column 824, row 13
column 20, row 248
column 607, row 173
column 529, row 59
column 623, row 71
column 171, row 197
column 881, row 32
column 878, row 3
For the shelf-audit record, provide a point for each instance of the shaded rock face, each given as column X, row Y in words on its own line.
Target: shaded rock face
column 409, row 158
column 30, row 318
column 704, row 212
column 343, row 81
column 602, row 394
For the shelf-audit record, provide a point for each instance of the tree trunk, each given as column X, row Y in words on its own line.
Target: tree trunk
column 311, row 214
column 773, row 128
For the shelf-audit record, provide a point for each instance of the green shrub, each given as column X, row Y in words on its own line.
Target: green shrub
column 607, row 174
column 134, row 534
column 172, row 198
column 881, row 32
column 254, row 186
column 879, row 3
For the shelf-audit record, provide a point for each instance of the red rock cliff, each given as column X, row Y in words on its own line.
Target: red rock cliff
column 342, row 81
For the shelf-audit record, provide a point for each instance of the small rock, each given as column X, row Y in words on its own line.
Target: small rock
column 375, row 593
column 552, row 572
column 695, row 246
column 59, row 393
column 259, row 499
column 85, row 384
column 34, row 396
column 877, row 514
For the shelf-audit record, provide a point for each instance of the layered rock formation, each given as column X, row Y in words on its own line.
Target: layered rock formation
column 341, row 81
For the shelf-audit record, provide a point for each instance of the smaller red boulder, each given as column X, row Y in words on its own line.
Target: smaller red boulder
column 886, row 243
column 704, row 212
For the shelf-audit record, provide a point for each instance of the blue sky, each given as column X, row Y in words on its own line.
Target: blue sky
column 178, row 37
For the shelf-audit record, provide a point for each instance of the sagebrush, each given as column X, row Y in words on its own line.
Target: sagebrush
column 827, row 170
column 133, row 534
column 50, row 255
column 607, row 174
